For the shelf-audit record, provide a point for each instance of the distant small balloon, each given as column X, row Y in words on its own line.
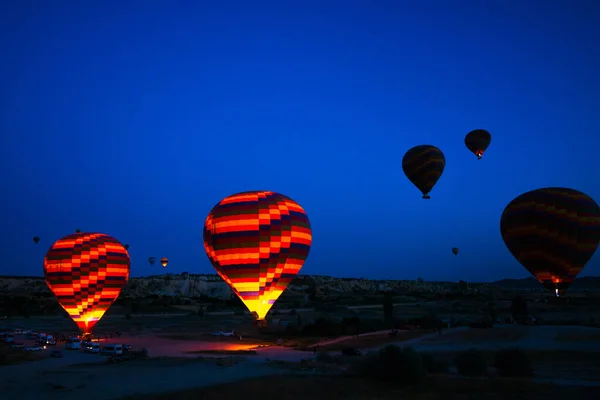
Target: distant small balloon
column 477, row 141
column 152, row 260
column 36, row 239
column 126, row 247
column 455, row 250
column 164, row 261
column 78, row 230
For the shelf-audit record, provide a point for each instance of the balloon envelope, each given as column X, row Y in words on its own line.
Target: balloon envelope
column 36, row 239
column 423, row 165
column 164, row 261
column 257, row 241
column 86, row 272
column 477, row 141
column 152, row 260
column 553, row 233
column 455, row 250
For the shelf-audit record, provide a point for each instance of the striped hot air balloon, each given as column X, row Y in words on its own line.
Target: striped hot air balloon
column 257, row 241
column 86, row 272
column 553, row 233
column 423, row 165
column 164, row 262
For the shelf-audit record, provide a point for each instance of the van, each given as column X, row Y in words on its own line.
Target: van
column 92, row 348
column 73, row 344
column 112, row 350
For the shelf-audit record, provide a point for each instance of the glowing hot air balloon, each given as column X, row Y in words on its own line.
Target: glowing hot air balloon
column 164, row 261
column 553, row 233
column 257, row 241
column 152, row 260
column 86, row 272
column 477, row 141
column 423, row 165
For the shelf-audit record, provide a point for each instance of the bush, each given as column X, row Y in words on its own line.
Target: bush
column 325, row 358
column 433, row 366
column 392, row 363
column 470, row 363
column 512, row 363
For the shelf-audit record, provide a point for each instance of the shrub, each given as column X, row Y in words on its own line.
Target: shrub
column 325, row 358
column 392, row 363
column 512, row 363
column 470, row 363
column 433, row 366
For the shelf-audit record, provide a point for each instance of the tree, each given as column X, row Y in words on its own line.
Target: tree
column 388, row 306
column 518, row 308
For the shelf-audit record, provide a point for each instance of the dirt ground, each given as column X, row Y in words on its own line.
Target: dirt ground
column 184, row 356
column 341, row 388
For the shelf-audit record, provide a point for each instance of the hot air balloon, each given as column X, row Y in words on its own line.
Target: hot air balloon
column 152, row 260
column 257, row 241
column 86, row 272
column 36, row 239
column 455, row 250
column 164, row 261
column 477, row 141
column 77, row 230
column 553, row 233
column 423, row 165
column 126, row 247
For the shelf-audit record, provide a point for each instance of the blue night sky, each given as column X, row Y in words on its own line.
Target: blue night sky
column 134, row 118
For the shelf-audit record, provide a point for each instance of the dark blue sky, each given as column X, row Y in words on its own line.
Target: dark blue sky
column 134, row 120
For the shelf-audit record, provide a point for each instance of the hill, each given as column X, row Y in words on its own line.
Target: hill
column 212, row 286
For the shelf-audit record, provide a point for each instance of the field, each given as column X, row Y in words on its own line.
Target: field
column 342, row 388
column 187, row 361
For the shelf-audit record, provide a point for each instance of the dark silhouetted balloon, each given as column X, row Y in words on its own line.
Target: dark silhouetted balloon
column 36, row 239
column 553, row 233
column 455, row 250
column 477, row 141
column 77, row 230
column 152, row 260
column 423, row 165
column 126, row 247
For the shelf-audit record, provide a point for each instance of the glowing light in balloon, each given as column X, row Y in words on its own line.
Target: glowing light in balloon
column 257, row 241
column 164, row 261
column 86, row 272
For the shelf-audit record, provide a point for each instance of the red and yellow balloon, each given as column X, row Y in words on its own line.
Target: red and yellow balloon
column 86, row 272
column 257, row 241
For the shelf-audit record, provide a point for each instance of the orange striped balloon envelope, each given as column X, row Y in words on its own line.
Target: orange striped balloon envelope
column 553, row 233
column 257, row 242
column 86, row 272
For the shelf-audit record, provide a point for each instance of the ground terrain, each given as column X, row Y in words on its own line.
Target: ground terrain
column 313, row 319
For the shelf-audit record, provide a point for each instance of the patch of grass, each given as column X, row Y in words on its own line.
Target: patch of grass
column 475, row 335
column 232, row 352
column 578, row 336
column 375, row 340
column 345, row 388
column 9, row 356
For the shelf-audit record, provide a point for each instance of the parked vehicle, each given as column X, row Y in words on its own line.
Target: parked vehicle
column 93, row 348
column 112, row 350
column 34, row 348
column 73, row 344
column 56, row 354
